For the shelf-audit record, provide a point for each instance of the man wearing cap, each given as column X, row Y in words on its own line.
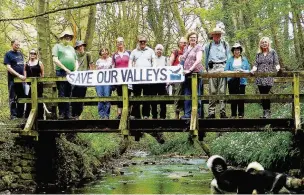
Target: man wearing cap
column 177, row 87
column 216, row 55
column 141, row 57
column 85, row 62
column 65, row 59
column 14, row 62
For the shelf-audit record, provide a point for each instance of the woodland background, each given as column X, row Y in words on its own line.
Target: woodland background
column 99, row 23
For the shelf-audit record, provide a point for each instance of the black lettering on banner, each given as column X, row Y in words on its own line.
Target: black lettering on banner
column 100, row 77
column 83, row 76
column 124, row 73
column 89, row 78
column 71, row 77
column 136, row 78
column 114, row 76
column 141, row 75
column 77, row 78
column 163, row 73
column 149, row 74
column 130, row 76
column 156, row 71
column 107, row 76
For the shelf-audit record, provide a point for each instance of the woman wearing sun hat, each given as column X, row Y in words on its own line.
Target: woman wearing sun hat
column 237, row 85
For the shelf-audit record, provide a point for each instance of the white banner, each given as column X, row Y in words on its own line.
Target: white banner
column 118, row 76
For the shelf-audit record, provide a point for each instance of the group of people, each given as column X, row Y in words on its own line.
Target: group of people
column 189, row 55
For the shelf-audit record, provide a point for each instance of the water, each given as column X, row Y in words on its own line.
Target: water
column 166, row 176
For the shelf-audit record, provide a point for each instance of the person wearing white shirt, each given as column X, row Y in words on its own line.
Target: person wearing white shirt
column 159, row 88
column 141, row 57
column 104, row 62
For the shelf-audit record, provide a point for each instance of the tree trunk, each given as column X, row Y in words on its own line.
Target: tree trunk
column 44, row 42
column 178, row 19
column 227, row 20
column 298, row 33
column 91, row 27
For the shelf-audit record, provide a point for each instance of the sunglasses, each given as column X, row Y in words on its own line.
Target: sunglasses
column 142, row 41
column 33, row 53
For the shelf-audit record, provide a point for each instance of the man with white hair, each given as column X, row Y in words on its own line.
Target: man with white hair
column 216, row 54
column 141, row 57
column 159, row 88
column 65, row 59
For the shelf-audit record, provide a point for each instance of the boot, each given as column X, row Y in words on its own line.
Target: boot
column 267, row 114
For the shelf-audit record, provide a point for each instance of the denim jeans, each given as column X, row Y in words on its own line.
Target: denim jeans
column 16, row 91
column 64, row 90
column 188, row 91
column 104, row 107
column 77, row 107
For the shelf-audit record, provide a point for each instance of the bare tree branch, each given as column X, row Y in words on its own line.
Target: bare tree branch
column 62, row 9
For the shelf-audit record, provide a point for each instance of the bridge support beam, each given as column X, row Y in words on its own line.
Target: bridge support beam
column 27, row 131
column 194, row 116
column 123, row 125
column 296, row 101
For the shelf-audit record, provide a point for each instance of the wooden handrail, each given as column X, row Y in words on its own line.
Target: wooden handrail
column 293, row 77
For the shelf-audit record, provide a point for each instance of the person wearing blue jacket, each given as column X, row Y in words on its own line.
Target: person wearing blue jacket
column 237, row 85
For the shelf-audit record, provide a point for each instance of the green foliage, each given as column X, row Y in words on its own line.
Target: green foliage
column 271, row 149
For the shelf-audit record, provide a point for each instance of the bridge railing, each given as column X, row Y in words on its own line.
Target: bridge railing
column 295, row 97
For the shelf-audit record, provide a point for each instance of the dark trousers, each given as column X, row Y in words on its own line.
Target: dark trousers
column 40, row 105
column 187, row 86
column 159, row 89
column 145, row 89
column 119, row 93
column 235, row 87
column 64, row 90
column 77, row 107
column 16, row 91
column 265, row 90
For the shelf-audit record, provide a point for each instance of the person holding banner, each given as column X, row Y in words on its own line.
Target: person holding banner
column 120, row 59
column 85, row 62
column 104, row 62
column 192, row 62
column 177, row 87
column 141, row 57
column 65, row 59
column 159, row 88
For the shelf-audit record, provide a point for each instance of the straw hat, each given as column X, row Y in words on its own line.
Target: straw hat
column 237, row 45
column 66, row 32
column 216, row 30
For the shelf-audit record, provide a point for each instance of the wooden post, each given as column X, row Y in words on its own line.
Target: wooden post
column 194, row 117
column 296, row 101
column 123, row 126
column 32, row 116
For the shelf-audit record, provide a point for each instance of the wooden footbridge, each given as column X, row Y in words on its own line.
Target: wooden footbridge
column 195, row 126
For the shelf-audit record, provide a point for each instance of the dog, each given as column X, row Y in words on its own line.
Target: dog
column 252, row 180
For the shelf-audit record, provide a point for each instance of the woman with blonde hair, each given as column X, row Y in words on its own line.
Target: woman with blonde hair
column 266, row 61
column 104, row 62
column 34, row 68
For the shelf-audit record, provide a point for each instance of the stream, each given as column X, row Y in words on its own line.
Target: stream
column 143, row 174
